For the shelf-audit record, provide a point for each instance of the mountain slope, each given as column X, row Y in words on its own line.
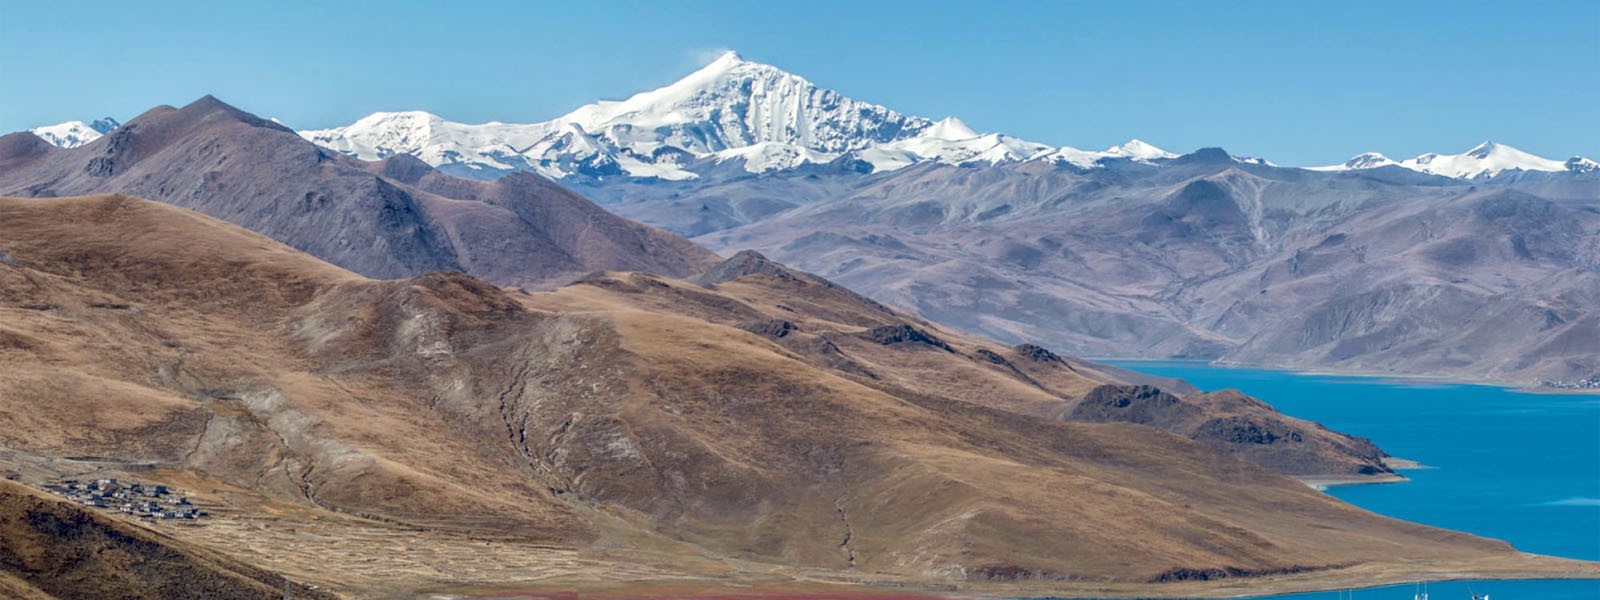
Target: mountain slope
column 369, row 218
column 593, row 427
column 834, row 327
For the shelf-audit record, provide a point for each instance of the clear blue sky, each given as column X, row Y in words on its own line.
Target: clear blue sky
column 1298, row 82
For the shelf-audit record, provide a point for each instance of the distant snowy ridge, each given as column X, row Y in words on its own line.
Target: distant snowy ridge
column 1365, row 160
column 1139, row 149
column 730, row 110
column 72, row 134
column 759, row 118
column 1488, row 159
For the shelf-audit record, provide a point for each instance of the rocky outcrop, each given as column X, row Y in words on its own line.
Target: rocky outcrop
column 1142, row 404
column 768, row 328
column 1236, row 424
column 1038, row 353
column 904, row 334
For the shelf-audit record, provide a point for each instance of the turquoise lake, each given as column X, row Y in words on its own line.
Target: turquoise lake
column 1520, row 467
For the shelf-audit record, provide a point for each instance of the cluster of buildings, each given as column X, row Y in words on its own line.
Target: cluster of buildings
column 1590, row 383
column 150, row 501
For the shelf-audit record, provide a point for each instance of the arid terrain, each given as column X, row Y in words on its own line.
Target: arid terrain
column 749, row 426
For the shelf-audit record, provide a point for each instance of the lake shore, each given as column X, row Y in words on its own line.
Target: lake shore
column 840, row 586
column 1384, row 376
column 1323, row 482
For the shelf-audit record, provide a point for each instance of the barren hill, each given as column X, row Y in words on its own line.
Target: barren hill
column 757, row 426
column 392, row 219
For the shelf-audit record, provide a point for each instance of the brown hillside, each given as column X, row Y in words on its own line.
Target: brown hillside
column 627, row 428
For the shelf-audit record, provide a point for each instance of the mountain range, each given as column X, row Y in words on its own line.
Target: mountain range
column 1375, row 265
column 1481, row 265
column 762, row 119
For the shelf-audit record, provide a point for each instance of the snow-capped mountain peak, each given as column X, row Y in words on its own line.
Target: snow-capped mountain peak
column 1139, row 149
column 670, row 104
column 383, row 134
column 379, row 135
column 1369, row 160
column 1487, row 160
column 1579, row 164
column 730, row 109
column 1485, row 149
column 734, row 103
column 1365, row 160
column 756, row 115
column 72, row 134
column 949, row 129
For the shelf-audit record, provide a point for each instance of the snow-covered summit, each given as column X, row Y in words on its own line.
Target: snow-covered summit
column 490, row 147
column 731, row 109
column 1139, row 149
column 1488, row 159
column 72, row 134
column 949, row 141
column 1365, row 160
column 732, row 103
column 764, row 119
column 1579, row 164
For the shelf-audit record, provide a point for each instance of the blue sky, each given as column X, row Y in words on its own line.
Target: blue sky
column 1298, row 82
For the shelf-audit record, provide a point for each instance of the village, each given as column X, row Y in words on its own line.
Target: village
column 1591, row 382
column 144, row 500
